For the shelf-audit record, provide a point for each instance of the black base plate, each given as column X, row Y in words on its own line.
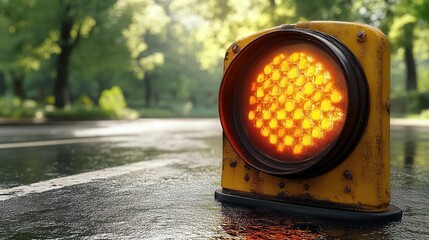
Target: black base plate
column 393, row 214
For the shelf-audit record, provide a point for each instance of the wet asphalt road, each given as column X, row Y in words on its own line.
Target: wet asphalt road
column 155, row 179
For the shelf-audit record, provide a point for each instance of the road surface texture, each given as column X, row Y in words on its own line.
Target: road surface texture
column 155, row 179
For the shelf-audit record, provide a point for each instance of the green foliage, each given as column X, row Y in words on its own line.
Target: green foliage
column 405, row 103
column 16, row 108
column 165, row 57
column 425, row 114
column 112, row 99
column 85, row 101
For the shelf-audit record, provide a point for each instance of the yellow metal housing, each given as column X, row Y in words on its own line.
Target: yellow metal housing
column 361, row 182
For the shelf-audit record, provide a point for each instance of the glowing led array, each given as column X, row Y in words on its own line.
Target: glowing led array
column 295, row 103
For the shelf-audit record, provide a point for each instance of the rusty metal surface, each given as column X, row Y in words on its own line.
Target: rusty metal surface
column 369, row 189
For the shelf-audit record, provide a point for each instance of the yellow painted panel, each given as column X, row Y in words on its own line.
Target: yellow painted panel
column 366, row 184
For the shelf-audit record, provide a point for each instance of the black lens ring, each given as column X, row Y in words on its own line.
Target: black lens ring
column 357, row 113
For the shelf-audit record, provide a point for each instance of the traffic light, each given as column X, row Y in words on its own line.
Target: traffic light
column 305, row 114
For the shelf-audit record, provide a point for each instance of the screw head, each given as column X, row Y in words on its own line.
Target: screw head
column 281, row 185
column 246, row 177
column 233, row 163
column 361, row 35
column 235, row 48
column 347, row 189
column 306, row 186
column 348, row 174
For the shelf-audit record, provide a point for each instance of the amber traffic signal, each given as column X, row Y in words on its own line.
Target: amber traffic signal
column 305, row 114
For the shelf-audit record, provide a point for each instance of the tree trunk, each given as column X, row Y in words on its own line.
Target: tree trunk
column 411, row 81
column 61, row 82
column 67, row 44
column 2, row 85
column 148, row 91
column 17, row 85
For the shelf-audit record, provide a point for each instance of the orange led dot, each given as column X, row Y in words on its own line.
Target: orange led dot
column 289, row 106
column 289, row 123
column 273, row 123
column 336, row 96
column 299, row 96
column 307, row 105
column 307, row 123
column 307, row 140
column 297, row 114
column 290, row 89
column 266, row 84
column 316, row 114
column 293, row 73
column 273, row 107
column 318, row 80
column 259, row 123
column 337, row 115
column 310, row 59
column 281, row 132
column 276, row 75
column 280, row 148
column 278, row 59
column 319, row 67
column 260, row 78
column 326, row 123
column 253, row 86
column 266, row 99
column 317, row 96
column 273, row 139
column 294, row 57
column 297, row 132
column 310, row 71
column 281, row 114
column 284, row 66
column 328, row 87
column 259, row 107
column 288, row 140
column 260, row 92
column 308, row 88
column 265, row 131
column 275, row 91
column 283, row 82
column 297, row 149
column 252, row 100
column 327, row 76
column 300, row 81
column 282, row 98
column 325, row 105
column 268, row 69
column 266, row 114
column 316, row 132
column 302, row 63
column 251, row 115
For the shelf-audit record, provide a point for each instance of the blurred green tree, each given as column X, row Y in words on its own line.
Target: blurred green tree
column 76, row 20
column 26, row 42
column 408, row 18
